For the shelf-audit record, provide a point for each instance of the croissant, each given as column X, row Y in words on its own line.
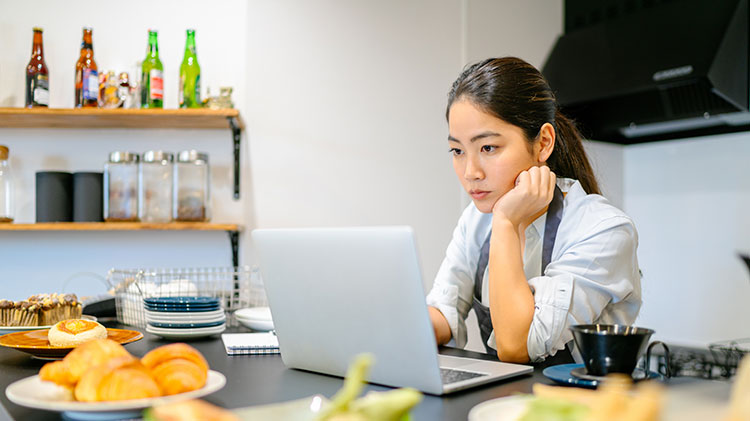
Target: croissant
column 177, row 368
column 68, row 371
column 120, row 378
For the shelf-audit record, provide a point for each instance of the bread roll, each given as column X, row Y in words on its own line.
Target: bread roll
column 177, row 368
column 120, row 378
column 74, row 332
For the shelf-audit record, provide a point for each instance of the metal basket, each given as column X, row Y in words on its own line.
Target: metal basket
column 729, row 353
column 235, row 288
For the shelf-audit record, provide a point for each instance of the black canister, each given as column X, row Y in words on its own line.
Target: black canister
column 54, row 196
column 87, row 197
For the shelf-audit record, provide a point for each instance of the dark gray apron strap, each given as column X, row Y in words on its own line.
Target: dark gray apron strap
column 554, row 216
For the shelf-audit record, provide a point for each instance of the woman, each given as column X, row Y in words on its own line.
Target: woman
column 539, row 249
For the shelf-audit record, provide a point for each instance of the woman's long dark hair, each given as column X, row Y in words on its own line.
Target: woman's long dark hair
column 515, row 92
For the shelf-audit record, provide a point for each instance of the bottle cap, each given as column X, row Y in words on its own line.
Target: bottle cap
column 157, row 156
column 192, row 156
column 3, row 153
column 122, row 156
column 37, row 29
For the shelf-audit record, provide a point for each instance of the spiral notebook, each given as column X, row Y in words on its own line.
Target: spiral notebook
column 250, row 343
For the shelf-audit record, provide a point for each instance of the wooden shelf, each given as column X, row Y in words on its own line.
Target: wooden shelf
column 120, row 226
column 93, row 118
column 126, row 118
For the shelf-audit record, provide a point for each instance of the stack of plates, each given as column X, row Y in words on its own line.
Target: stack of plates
column 256, row 318
column 184, row 317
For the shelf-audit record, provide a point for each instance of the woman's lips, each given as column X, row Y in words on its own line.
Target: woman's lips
column 478, row 194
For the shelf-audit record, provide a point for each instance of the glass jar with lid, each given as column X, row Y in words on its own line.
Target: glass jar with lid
column 155, row 179
column 121, row 187
column 192, row 187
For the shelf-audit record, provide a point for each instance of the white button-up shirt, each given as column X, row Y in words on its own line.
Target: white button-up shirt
column 592, row 276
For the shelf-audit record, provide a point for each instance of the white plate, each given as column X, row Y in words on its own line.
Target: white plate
column 254, row 313
column 508, row 408
column 185, row 333
column 217, row 318
column 21, row 328
column 262, row 325
column 305, row 409
column 32, row 392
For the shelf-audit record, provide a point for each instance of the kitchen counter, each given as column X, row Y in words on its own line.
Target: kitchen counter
column 263, row 379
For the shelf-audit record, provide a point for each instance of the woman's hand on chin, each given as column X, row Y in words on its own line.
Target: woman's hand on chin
column 533, row 192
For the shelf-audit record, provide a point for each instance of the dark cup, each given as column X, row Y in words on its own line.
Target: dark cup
column 54, row 196
column 87, row 197
column 610, row 348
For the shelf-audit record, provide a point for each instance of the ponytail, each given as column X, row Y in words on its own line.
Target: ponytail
column 568, row 158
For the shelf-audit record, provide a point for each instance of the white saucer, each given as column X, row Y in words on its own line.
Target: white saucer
column 183, row 333
column 256, row 324
column 254, row 313
column 508, row 408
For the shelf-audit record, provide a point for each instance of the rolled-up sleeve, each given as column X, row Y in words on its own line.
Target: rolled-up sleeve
column 594, row 279
column 452, row 290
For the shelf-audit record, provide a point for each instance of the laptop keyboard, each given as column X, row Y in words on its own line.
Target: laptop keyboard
column 452, row 376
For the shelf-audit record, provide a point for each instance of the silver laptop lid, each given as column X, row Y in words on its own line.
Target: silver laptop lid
column 338, row 292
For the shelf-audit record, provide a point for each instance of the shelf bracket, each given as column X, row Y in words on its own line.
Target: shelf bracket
column 236, row 136
column 234, row 240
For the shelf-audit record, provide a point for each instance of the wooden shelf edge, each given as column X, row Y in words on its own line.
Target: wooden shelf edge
column 120, row 226
column 186, row 118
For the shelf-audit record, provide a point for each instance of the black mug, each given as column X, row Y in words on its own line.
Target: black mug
column 54, row 196
column 87, row 197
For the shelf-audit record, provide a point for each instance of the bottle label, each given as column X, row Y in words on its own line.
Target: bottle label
column 180, row 94
column 198, row 90
column 90, row 85
column 156, row 84
column 40, row 89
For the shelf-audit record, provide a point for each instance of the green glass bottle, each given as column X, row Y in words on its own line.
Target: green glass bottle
column 152, row 75
column 190, row 75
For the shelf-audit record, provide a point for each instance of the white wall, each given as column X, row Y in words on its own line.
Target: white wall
column 690, row 200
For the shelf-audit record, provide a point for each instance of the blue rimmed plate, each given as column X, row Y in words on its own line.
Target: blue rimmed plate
column 185, row 325
column 179, row 301
column 562, row 374
column 180, row 309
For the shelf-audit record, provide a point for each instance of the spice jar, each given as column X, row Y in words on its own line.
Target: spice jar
column 121, row 187
column 155, row 180
column 192, row 192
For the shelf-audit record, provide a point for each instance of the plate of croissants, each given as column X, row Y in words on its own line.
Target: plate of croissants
column 101, row 378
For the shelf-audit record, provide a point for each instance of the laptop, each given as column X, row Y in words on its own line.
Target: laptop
column 338, row 292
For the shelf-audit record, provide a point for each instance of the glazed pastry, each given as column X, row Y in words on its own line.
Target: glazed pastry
column 57, row 372
column 74, row 332
column 190, row 411
column 119, row 378
column 68, row 371
column 177, row 368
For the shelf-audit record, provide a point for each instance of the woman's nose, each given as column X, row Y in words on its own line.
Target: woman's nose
column 473, row 170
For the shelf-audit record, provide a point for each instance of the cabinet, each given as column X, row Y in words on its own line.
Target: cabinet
column 95, row 118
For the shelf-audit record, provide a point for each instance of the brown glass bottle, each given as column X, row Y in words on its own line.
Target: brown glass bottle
column 37, row 76
column 87, row 76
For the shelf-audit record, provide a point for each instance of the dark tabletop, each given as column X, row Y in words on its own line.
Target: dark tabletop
column 263, row 379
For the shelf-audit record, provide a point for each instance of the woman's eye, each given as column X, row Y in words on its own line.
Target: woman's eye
column 488, row 148
column 455, row 151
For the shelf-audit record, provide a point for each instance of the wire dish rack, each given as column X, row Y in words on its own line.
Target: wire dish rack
column 729, row 353
column 235, row 287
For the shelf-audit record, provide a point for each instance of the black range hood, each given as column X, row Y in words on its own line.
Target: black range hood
column 636, row 71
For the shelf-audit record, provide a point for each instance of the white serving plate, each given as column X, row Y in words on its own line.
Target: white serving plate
column 32, row 392
column 305, row 409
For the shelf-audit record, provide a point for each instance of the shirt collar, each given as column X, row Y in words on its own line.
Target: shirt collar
column 537, row 227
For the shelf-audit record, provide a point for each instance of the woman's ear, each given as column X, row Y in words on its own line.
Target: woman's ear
column 545, row 142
